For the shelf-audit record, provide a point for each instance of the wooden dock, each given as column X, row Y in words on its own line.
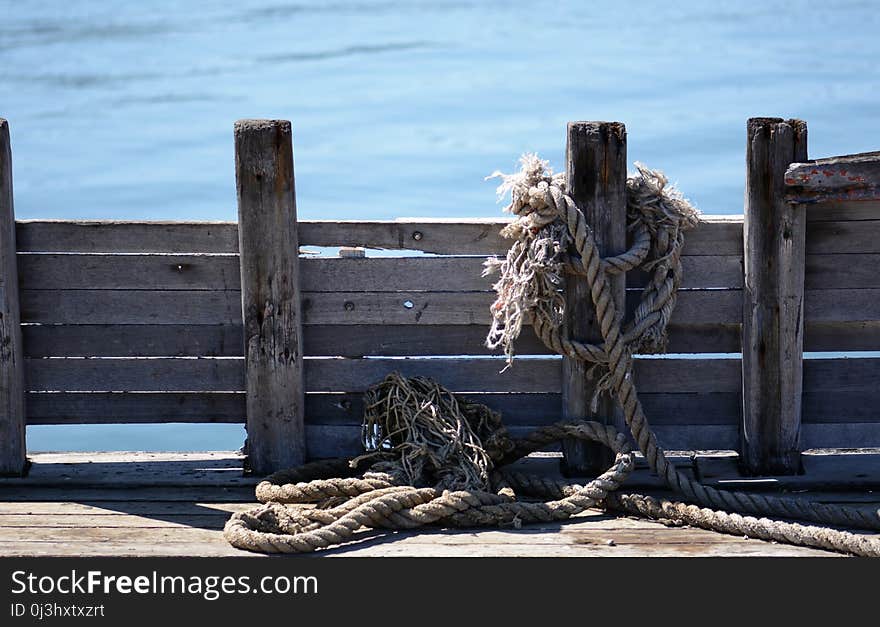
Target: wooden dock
column 109, row 322
column 175, row 504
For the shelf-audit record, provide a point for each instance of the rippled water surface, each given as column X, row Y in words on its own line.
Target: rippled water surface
column 401, row 108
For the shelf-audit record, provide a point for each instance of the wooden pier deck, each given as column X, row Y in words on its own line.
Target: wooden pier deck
column 175, row 504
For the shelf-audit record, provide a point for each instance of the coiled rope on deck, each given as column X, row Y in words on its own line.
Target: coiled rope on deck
column 434, row 459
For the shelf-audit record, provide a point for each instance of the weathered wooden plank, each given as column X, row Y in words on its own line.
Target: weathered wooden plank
column 695, row 307
column 414, row 340
column 149, row 340
column 850, row 177
column 538, row 375
column 389, row 544
column 841, row 375
column 95, row 509
column 182, row 307
column 832, row 406
column 774, row 235
column 134, row 407
column 842, row 435
column 75, row 522
column 135, row 375
column 840, row 271
column 368, row 340
column 271, row 302
column 843, row 210
column 595, row 174
column 13, row 458
column 842, row 336
column 829, row 231
column 136, row 272
column 843, row 236
column 820, row 469
column 828, row 406
column 21, row 493
column 423, row 308
column 135, row 470
column 185, row 307
column 112, row 236
column 715, row 235
column 846, row 305
column 374, row 274
column 347, row 408
column 158, row 307
column 437, row 274
column 592, row 533
column 517, row 409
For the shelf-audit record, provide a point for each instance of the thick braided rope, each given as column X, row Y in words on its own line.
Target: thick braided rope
column 276, row 528
column 273, row 528
column 619, row 362
column 704, row 518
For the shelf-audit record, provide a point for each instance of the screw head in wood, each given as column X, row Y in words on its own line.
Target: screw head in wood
column 349, row 306
column 417, row 235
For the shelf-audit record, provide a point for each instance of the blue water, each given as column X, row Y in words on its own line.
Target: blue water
column 401, row 108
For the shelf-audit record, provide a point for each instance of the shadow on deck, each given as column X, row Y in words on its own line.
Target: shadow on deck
column 174, row 504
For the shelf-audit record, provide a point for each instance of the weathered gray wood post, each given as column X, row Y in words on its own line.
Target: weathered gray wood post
column 269, row 247
column 774, row 235
column 12, row 417
column 595, row 167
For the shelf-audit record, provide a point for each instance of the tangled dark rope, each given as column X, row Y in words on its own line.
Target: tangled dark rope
column 434, row 459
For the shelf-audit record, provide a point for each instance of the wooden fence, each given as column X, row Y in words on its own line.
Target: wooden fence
column 145, row 322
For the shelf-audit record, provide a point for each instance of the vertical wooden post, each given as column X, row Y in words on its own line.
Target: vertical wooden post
column 12, row 417
column 595, row 167
column 269, row 247
column 774, row 234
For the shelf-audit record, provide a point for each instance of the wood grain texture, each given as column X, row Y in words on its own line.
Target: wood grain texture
column 821, row 468
column 221, row 340
column 12, row 408
column 46, row 271
column 715, row 235
column 152, row 307
column 849, row 269
column 133, row 340
column 536, row 375
column 842, row 236
column 198, row 307
column 270, row 294
column 111, row 236
column 524, row 409
column 774, row 234
column 182, row 307
column 135, row 407
column 843, row 211
column 595, row 170
column 850, row 177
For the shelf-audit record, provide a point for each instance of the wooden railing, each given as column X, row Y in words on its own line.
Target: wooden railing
column 125, row 322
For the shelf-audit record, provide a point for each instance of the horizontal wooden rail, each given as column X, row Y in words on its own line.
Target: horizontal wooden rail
column 534, row 375
column 181, row 307
column 377, row 274
column 830, row 229
column 826, row 407
column 538, row 375
column 849, row 177
column 384, row 274
column 716, row 235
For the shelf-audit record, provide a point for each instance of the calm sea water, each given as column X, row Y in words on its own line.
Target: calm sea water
column 401, row 108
